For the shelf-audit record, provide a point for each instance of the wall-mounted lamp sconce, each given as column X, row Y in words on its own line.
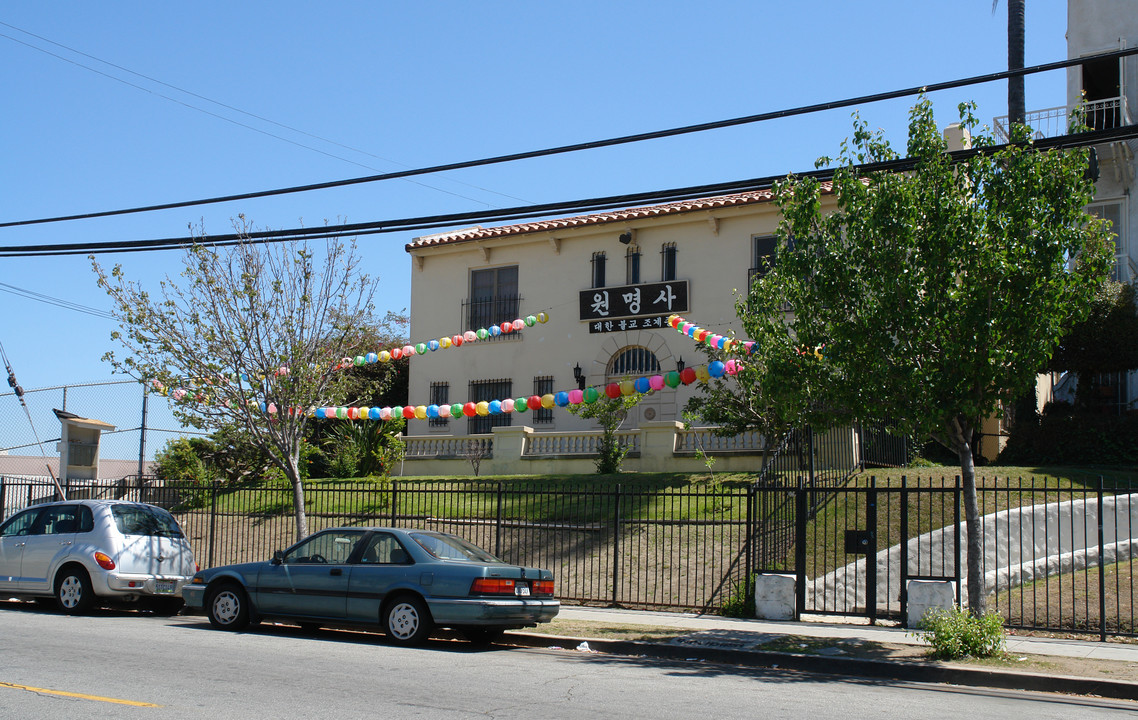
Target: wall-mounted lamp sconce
column 579, row 376
column 625, row 238
column 680, row 365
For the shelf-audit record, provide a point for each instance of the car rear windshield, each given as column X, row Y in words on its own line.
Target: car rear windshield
column 145, row 520
column 449, row 547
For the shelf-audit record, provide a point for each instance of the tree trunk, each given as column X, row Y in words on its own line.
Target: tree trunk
column 1017, row 103
column 293, row 472
column 975, row 544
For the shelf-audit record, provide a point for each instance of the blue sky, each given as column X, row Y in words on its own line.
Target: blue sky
column 339, row 90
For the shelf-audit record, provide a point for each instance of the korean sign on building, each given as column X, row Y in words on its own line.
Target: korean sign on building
column 633, row 306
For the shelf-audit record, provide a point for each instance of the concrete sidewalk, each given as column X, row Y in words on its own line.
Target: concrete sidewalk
column 743, row 643
column 839, row 630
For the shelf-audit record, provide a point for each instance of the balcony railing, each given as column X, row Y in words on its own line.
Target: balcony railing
column 1056, row 121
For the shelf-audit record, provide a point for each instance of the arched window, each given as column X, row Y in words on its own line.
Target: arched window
column 633, row 361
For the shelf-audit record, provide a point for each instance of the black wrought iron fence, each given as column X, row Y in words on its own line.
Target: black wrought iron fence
column 1058, row 558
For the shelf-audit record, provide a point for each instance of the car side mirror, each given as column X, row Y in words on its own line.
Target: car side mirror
column 278, row 557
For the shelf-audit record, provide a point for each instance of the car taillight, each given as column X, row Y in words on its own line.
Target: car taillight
column 492, row 586
column 104, row 561
column 542, row 587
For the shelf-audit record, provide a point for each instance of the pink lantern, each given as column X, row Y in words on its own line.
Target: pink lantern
column 731, row 367
column 444, row 410
column 576, row 397
column 656, row 382
column 519, row 324
column 469, row 336
column 385, row 413
column 508, row 405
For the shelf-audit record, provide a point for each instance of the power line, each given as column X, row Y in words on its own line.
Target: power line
column 48, row 299
column 623, row 140
column 1085, row 139
column 232, row 108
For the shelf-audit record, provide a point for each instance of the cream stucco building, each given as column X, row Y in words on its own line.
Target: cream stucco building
column 607, row 282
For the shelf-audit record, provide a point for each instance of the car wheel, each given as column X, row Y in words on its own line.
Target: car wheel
column 483, row 635
column 407, row 621
column 73, row 593
column 164, row 605
column 228, row 607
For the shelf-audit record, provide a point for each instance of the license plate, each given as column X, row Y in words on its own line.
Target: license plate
column 522, row 590
column 164, row 587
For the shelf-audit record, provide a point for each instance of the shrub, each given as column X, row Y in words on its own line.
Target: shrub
column 740, row 604
column 955, row 634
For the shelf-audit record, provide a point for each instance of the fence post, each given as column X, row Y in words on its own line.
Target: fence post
column 904, row 532
column 749, row 547
column 394, row 499
column 871, row 556
column 3, row 498
column 1102, row 565
column 799, row 550
column 616, row 546
column 498, row 524
column 213, row 521
column 956, row 536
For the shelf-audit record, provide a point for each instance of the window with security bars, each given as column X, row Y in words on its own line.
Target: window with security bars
column 486, row 391
column 632, row 266
column 668, row 262
column 440, row 395
column 633, row 361
column 762, row 256
column 598, row 269
column 1114, row 212
column 543, row 386
column 493, row 298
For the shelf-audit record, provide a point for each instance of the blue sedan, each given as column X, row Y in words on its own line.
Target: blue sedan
column 405, row 582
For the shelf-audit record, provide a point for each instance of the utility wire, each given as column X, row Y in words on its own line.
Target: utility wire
column 1084, row 139
column 230, row 107
column 20, row 395
column 48, row 299
column 623, row 140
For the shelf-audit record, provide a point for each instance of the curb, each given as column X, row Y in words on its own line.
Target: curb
column 875, row 669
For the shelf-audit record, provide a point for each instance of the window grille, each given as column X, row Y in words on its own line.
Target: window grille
column 440, row 395
column 668, row 262
column 633, row 361
column 542, row 386
column 487, row 390
column 598, row 269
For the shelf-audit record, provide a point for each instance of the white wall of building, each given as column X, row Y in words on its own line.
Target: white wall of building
column 714, row 255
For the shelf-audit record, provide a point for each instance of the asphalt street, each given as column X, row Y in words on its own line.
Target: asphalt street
column 123, row 664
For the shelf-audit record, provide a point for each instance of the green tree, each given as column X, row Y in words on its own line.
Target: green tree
column 928, row 297
column 610, row 414
column 250, row 337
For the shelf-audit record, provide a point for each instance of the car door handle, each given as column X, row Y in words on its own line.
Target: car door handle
column 336, row 571
column 65, row 542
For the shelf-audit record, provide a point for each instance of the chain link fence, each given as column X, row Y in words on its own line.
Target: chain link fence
column 143, row 424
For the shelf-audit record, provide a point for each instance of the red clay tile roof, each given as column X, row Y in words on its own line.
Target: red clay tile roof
column 709, row 203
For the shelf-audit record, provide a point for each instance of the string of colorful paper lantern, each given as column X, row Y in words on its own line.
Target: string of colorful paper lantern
column 729, row 344
column 587, row 396
column 383, row 356
column 444, row 342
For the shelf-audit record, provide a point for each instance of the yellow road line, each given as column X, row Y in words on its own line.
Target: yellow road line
column 81, row 696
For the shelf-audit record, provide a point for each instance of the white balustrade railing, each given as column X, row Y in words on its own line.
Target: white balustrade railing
column 575, row 443
column 703, row 439
column 448, row 447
